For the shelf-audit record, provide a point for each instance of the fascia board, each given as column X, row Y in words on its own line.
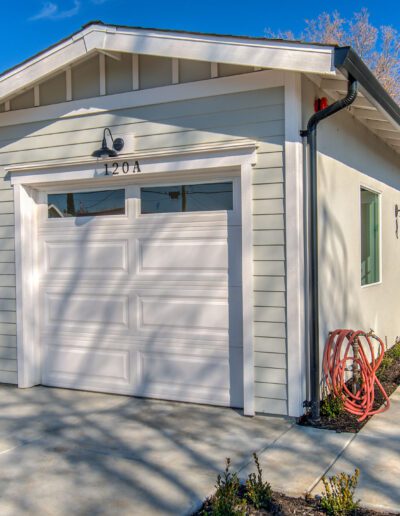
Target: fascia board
column 207, row 38
column 281, row 56
column 46, row 65
column 264, row 54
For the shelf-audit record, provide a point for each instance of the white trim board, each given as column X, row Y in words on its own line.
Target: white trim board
column 279, row 55
column 231, row 153
column 161, row 95
column 225, row 49
column 25, row 196
column 294, row 223
column 28, row 354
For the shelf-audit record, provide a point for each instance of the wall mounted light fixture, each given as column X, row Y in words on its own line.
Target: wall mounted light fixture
column 105, row 151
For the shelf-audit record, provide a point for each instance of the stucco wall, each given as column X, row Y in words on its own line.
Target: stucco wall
column 257, row 115
column 350, row 156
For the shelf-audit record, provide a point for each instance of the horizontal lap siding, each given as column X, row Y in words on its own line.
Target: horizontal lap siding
column 269, row 282
column 8, row 329
column 257, row 115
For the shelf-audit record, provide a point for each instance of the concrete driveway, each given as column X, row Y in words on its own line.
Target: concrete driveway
column 70, row 452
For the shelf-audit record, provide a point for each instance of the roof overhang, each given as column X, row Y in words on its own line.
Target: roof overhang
column 348, row 62
column 373, row 106
column 96, row 37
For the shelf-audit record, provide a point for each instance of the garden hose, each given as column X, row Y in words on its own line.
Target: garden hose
column 353, row 351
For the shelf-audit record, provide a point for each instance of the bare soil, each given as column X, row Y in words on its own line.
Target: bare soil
column 389, row 376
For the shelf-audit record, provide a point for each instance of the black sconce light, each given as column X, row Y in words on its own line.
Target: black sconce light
column 105, row 151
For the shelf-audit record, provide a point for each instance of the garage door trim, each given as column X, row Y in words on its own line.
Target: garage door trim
column 27, row 190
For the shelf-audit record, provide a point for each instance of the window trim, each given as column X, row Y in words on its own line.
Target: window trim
column 377, row 192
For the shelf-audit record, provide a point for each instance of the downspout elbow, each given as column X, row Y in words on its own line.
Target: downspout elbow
column 340, row 104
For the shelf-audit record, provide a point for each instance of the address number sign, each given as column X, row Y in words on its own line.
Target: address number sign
column 116, row 169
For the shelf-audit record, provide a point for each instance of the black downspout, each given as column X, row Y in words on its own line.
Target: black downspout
column 313, row 302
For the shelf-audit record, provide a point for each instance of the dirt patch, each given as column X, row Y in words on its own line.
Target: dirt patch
column 345, row 422
column 389, row 376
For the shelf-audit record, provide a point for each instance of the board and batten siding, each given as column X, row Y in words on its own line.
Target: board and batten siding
column 258, row 115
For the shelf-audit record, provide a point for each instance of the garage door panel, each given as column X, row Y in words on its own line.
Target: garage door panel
column 183, row 255
column 77, row 309
column 143, row 312
column 179, row 369
column 190, row 258
column 184, row 377
column 200, row 378
column 82, row 366
column 90, row 257
column 188, row 314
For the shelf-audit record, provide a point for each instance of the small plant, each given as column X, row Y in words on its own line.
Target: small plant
column 394, row 351
column 332, row 406
column 226, row 501
column 258, row 492
column 386, row 363
column 338, row 498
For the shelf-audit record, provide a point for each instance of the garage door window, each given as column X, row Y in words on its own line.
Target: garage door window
column 86, row 204
column 186, row 198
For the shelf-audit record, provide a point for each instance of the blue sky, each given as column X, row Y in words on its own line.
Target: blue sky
column 30, row 26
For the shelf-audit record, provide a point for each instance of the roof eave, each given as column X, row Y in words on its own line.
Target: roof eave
column 348, row 62
column 258, row 52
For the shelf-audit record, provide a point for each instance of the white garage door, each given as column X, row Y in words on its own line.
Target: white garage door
column 140, row 291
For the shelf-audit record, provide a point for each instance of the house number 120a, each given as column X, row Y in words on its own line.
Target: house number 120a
column 115, row 169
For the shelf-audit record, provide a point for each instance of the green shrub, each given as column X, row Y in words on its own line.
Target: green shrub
column 387, row 362
column 394, row 352
column 391, row 356
column 338, row 496
column 332, row 406
column 258, row 492
column 226, row 501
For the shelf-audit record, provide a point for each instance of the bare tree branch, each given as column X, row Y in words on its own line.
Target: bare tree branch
column 326, row 28
column 362, row 35
column 378, row 47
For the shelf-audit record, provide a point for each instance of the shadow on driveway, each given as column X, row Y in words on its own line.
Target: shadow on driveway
column 71, row 452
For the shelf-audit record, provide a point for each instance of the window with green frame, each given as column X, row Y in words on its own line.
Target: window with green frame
column 370, row 237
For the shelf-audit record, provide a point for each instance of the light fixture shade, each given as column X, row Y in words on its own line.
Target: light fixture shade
column 105, row 151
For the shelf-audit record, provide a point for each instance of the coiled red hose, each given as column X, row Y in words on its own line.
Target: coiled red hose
column 348, row 350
